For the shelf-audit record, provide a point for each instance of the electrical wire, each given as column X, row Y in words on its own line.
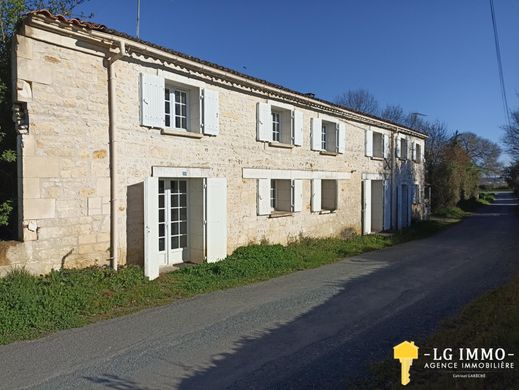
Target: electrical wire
column 500, row 64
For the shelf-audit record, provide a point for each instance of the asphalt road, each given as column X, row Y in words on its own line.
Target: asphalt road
column 311, row 329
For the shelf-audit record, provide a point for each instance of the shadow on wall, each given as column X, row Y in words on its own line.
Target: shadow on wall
column 405, row 173
column 135, row 224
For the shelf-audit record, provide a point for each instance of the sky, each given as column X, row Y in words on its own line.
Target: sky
column 433, row 57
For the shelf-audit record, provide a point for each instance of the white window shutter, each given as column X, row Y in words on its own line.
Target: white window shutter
column 264, row 125
column 386, row 146
column 211, row 112
column 263, row 196
column 151, row 227
column 317, row 129
column 216, row 218
column 298, row 195
column 316, row 195
column 397, row 147
column 369, row 143
column 152, row 100
column 387, row 205
column 298, row 128
column 413, row 150
column 366, row 228
column 341, row 137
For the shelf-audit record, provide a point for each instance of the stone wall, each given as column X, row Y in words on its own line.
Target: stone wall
column 65, row 159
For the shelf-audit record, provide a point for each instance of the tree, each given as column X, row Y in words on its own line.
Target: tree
column 511, row 174
column 455, row 178
column 394, row 113
column 511, row 138
column 10, row 13
column 359, row 100
column 483, row 152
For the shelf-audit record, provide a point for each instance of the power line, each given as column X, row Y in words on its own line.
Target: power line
column 500, row 64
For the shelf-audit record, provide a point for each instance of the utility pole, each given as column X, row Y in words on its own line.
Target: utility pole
column 138, row 17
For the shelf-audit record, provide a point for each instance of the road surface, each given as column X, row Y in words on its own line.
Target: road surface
column 310, row 329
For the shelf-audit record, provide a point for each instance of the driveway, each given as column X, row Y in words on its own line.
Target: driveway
column 310, row 329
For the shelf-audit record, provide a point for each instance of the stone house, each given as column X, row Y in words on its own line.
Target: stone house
column 131, row 153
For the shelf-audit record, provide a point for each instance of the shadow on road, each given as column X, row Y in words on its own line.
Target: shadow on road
column 427, row 281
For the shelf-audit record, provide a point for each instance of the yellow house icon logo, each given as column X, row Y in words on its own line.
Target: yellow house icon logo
column 406, row 352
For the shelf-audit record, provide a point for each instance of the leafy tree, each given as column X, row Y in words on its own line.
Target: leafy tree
column 359, row 100
column 455, row 178
column 10, row 13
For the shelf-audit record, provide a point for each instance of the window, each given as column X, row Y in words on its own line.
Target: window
column 418, row 153
column 184, row 109
column 329, row 195
column 323, row 137
column 281, row 194
column 329, row 137
column 417, row 195
column 282, row 126
column 176, row 108
column 378, row 145
column 276, row 126
column 273, row 194
column 403, row 148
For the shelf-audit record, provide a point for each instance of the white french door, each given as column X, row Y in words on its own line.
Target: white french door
column 173, row 221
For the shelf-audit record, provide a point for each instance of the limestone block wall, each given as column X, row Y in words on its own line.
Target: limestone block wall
column 64, row 176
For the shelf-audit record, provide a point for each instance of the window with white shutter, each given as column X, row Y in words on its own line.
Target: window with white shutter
column 178, row 108
column 279, row 196
column 279, row 125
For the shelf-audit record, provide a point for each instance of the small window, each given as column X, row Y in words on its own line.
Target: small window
column 182, row 108
column 329, row 137
column 418, row 153
column 378, row 145
column 403, row 148
column 281, row 195
column 329, row 195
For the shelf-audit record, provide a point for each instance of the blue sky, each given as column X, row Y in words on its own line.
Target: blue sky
column 434, row 57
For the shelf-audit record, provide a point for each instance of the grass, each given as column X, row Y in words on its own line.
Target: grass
column 466, row 207
column 31, row 306
column 490, row 321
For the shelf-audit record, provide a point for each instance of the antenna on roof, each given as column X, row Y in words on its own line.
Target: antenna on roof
column 138, row 18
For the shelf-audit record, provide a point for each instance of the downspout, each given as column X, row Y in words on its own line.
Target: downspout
column 394, row 216
column 112, row 110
